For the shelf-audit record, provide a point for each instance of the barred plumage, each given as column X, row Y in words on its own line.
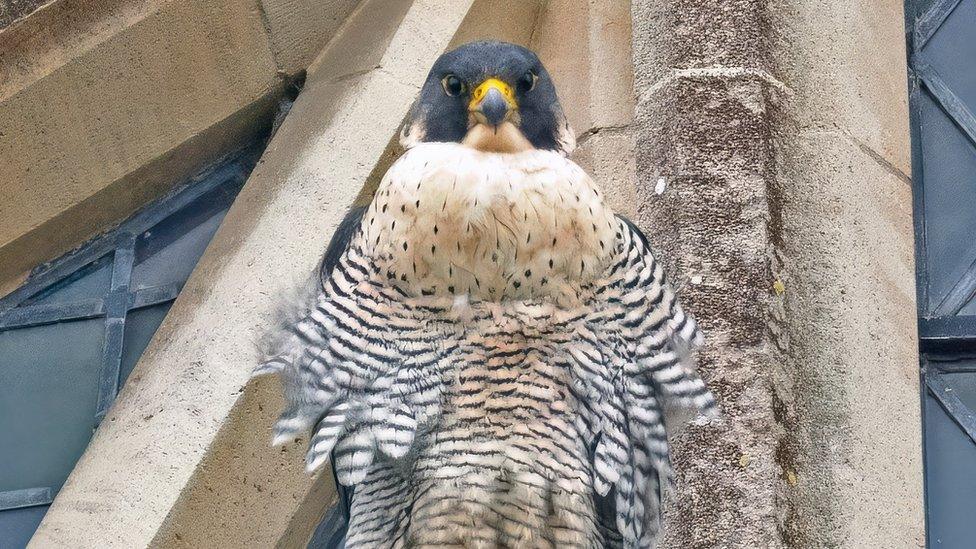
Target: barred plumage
column 481, row 388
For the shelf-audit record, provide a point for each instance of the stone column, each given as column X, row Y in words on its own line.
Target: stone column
column 772, row 156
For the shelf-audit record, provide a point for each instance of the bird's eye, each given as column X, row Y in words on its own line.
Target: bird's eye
column 527, row 82
column 452, row 85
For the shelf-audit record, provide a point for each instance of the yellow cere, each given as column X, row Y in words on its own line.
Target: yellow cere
column 482, row 89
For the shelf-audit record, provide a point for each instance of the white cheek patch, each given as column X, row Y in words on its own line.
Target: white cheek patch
column 566, row 137
column 412, row 134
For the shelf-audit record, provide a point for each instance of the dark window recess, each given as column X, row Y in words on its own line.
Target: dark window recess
column 942, row 96
column 71, row 335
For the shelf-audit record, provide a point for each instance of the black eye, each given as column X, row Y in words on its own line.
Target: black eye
column 527, row 82
column 452, row 85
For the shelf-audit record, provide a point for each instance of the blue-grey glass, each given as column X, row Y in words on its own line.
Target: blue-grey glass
column 917, row 7
column 950, row 470
column 950, row 194
column 175, row 262
column 48, row 392
column 963, row 385
column 18, row 525
column 140, row 325
column 92, row 281
column 952, row 52
column 330, row 533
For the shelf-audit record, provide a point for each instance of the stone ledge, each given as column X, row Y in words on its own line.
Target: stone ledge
column 98, row 106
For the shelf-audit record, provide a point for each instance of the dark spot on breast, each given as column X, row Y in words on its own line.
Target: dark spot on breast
column 433, row 248
column 528, row 237
column 403, row 208
column 435, row 229
column 384, row 207
column 550, row 263
column 417, row 204
column 516, row 283
column 553, row 241
column 450, row 289
column 404, row 246
column 528, row 273
column 403, row 277
column 393, row 225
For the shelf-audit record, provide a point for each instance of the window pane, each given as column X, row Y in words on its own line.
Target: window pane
column 950, row 479
column 950, row 192
column 174, row 262
column 952, row 50
column 49, row 379
column 18, row 525
column 140, row 325
column 963, row 385
column 91, row 281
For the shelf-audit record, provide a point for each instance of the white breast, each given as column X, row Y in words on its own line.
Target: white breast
column 448, row 218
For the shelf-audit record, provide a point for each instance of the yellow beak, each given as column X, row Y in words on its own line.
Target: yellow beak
column 493, row 99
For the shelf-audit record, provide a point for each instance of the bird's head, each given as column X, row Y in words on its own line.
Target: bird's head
column 492, row 96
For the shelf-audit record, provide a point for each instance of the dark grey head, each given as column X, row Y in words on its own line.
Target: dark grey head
column 490, row 95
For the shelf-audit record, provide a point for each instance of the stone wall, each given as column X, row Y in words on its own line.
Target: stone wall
column 105, row 104
column 772, row 153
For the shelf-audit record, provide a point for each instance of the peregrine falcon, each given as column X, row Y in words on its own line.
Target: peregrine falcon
column 491, row 356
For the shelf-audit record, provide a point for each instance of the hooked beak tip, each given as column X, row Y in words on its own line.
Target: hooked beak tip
column 494, row 107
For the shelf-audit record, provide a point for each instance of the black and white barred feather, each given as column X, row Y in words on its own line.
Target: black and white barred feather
column 475, row 422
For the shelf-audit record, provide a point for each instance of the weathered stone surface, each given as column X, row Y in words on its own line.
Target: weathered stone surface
column 12, row 10
column 784, row 209
column 848, row 335
column 707, row 152
column 845, row 255
column 586, row 48
column 83, row 107
column 608, row 156
column 104, row 104
column 300, row 29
